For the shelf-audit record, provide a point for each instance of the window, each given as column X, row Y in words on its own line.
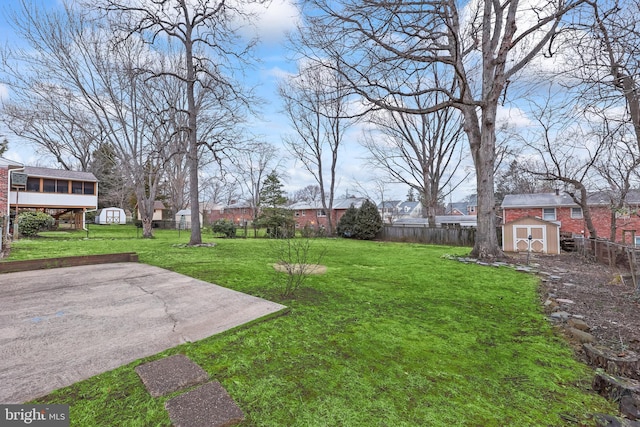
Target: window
column 49, row 185
column 549, row 214
column 76, row 187
column 637, row 242
column 321, row 212
column 472, row 209
column 33, row 184
column 88, row 188
column 62, row 186
column 576, row 212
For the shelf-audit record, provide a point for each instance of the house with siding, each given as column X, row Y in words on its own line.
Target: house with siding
column 558, row 208
column 60, row 193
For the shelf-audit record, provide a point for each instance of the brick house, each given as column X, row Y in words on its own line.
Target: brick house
column 561, row 209
column 239, row 213
column 310, row 214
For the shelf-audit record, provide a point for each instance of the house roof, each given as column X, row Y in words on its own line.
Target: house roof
column 59, row 173
column 158, row 205
column 457, row 206
column 338, row 204
column 551, row 200
column 389, row 204
column 531, row 219
column 409, row 205
column 537, row 200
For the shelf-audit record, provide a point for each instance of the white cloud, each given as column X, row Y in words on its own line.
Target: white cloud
column 273, row 20
column 512, row 116
column 4, row 92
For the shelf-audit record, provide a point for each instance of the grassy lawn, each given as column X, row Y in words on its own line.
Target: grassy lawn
column 392, row 335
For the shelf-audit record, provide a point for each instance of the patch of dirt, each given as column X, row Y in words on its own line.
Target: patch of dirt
column 609, row 303
column 300, row 268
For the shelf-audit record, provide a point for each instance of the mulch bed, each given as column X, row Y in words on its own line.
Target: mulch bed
column 610, row 306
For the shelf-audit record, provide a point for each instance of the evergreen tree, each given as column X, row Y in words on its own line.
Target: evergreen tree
column 368, row 221
column 273, row 215
column 4, row 146
column 347, row 224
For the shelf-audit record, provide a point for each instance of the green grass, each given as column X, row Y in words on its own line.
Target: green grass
column 392, row 335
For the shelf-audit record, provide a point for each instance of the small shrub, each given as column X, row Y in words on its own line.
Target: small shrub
column 307, row 231
column 223, row 226
column 296, row 259
column 30, row 223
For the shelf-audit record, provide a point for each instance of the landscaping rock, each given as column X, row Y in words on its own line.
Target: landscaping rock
column 578, row 324
column 626, row 364
column 564, row 301
column 614, row 387
column 581, row 336
column 604, row 420
column 170, row 374
column 630, row 407
column 208, row 405
column 560, row 316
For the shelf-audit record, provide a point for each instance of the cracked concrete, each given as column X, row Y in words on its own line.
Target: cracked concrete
column 63, row 325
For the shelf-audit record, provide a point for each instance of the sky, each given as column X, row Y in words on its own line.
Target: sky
column 280, row 16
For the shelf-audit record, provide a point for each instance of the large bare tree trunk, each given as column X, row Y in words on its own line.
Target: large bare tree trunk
column 483, row 151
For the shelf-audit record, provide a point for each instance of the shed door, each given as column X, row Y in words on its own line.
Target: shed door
column 538, row 238
column 113, row 216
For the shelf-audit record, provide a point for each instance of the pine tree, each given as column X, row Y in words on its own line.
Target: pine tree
column 368, row 221
column 347, row 223
column 273, row 215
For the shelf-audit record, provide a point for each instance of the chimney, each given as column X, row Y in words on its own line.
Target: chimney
column 557, row 191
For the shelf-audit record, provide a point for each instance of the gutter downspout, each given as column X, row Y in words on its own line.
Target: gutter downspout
column 6, row 232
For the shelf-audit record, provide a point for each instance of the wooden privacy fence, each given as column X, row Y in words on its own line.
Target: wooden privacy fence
column 424, row 234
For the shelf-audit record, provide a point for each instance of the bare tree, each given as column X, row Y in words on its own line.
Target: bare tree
column 251, row 165
column 422, row 151
column 618, row 166
column 70, row 55
column 317, row 103
column 309, row 194
column 204, row 30
column 50, row 118
column 482, row 47
column 603, row 57
column 566, row 149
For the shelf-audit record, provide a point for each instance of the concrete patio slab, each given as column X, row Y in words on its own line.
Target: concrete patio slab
column 208, row 405
column 63, row 325
column 169, row 374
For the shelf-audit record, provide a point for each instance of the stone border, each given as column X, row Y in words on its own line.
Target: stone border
column 72, row 261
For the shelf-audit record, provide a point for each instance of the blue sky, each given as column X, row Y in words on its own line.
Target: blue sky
column 280, row 17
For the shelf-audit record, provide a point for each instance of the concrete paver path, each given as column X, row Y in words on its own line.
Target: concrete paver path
column 63, row 325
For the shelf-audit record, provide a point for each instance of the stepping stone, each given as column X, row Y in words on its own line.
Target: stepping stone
column 208, row 405
column 170, row 374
